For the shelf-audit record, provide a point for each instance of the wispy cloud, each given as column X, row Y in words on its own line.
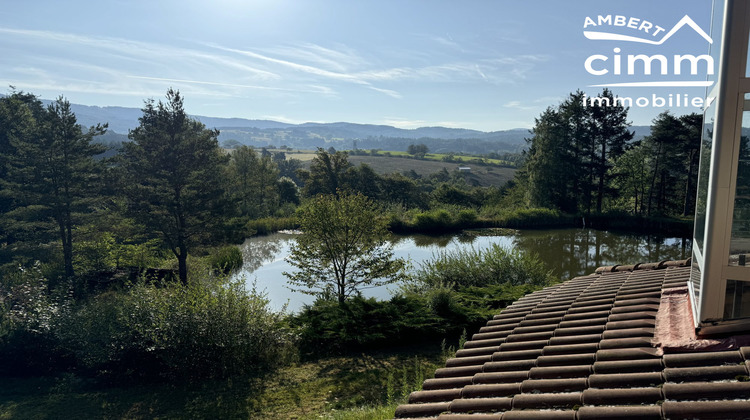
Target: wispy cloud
column 518, row 105
column 201, row 82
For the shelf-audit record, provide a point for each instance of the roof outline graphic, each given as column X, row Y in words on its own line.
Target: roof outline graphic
column 686, row 20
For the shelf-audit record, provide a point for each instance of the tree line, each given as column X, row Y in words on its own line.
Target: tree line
column 71, row 202
column 582, row 159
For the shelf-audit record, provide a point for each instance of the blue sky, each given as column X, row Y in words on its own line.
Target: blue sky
column 486, row 65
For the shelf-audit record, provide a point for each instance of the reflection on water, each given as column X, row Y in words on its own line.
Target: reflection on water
column 567, row 252
column 575, row 252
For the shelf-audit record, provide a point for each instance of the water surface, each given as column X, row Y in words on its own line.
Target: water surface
column 567, row 252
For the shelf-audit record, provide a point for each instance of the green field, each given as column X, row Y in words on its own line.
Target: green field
column 483, row 175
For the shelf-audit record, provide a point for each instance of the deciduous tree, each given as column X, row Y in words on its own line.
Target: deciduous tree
column 343, row 247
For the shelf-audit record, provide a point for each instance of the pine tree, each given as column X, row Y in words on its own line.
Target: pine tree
column 173, row 176
column 52, row 172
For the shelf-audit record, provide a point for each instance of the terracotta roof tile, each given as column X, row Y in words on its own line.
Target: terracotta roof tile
column 481, row 405
column 560, row 372
column 625, row 380
column 544, row 335
column 523, row 345
column 471, row 417
column 706, row 390
column 534, row 414
column 628, row 366
column 621, row 396
column 566, row 360
column 552, row 349
column 478, row 351
column 628, row 332
column 630, row 353
column 705, row 373
column 441, row 395
column 501, row 377
column 446, row 383
column 485, row 343
column 706, row 409
column 468, row 361
column 620, row 343
column 492, row 390
column 547, row 400
column 584, row 349
column 619, row 413
column 554, row 385
column 509, row 366
column 703, row 359
column 576, row 339
column 502, row 356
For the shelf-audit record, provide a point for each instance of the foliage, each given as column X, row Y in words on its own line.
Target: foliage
column 490, row 266
column 345, row 387
column 271, row 224
column 326, row 175
column 534, row 218
column 226, row 259
column 28, row 323
column 204, row 329
column 569, row 153
column 172, row 176
column 329, row 327
column 49, row 180
column 442, row 219
column 417, row 150
column 253, row 183
column 343, row 247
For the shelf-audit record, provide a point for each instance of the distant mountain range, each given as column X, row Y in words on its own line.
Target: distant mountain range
column 340, row 135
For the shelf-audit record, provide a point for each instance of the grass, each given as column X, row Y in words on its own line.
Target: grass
column 346, row 387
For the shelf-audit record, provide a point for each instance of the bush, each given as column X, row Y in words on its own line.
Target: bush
column 226, row 259
column 271, row 224
column 173, row 331
column 328, row 326
column 533, row 218
column 439, row 220
column 208, row 328
column 28, row 312
column 494, row 265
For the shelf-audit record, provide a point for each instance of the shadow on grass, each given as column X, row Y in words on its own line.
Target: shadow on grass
column 69, row 397
column 323, row 387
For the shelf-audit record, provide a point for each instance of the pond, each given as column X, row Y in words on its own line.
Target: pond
column 567, row 252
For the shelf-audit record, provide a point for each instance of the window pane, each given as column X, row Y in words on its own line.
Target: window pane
column 695, row 279
column 715, row 48
column 737, row 301
column 703, row 171
column 739, row 245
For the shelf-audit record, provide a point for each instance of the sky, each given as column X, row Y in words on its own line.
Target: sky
column 484, row 65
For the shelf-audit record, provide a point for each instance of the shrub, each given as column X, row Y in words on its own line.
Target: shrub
column 494, row 265
column 208, row 328
column 271, row 224
column 534, row 218
column 328, row 326
column 433, row 220
column 28, row 312
column 226, row 259
column 173, row 331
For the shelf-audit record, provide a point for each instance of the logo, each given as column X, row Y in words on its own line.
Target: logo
column 641, row 25
column 630, row 58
